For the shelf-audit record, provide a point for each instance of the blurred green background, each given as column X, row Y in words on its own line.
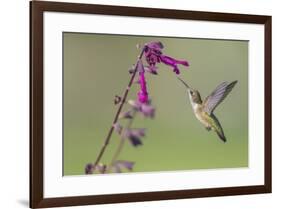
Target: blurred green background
column 96, row 69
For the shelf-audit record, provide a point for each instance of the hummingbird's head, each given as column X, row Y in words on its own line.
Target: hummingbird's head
column 192, row 93
column 194, row 96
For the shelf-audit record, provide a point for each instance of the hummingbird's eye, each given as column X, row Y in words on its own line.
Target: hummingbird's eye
column 191, row 93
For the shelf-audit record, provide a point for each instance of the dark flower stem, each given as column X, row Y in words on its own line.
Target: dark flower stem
column 123, row 100
column 123, row 139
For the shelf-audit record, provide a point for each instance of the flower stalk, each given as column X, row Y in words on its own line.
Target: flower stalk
column 123, row 100
column 122, row 140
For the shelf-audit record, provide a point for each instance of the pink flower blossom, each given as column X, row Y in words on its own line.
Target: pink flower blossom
column 123, row 164
column 153, row 55
column 143, row 93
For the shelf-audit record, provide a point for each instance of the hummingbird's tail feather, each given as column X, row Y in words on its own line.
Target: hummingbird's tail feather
column 221, row 136
column 218, row 128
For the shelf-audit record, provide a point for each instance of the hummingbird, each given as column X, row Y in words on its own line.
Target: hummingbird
column 203, row 110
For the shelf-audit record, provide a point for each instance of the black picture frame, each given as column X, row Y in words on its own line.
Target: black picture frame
column 37, row 8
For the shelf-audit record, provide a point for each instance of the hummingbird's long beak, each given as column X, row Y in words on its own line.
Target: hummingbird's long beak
column 184, row 83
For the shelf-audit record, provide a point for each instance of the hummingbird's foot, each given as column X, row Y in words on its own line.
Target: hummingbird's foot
column 208, row 128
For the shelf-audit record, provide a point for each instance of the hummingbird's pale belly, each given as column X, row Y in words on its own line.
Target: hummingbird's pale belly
column 202, row 117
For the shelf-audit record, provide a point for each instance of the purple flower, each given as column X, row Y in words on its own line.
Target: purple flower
column 101, row 168
column 151, row 69
column 135, row 104
column 126, row 115
column 146, row 109
column 121, row 164
column 153, row 55
column 152, row 52
column 142, row 94
column 173, row 62
column 155, row 45
column 118, row 128
column 135, row 135
column 90, row 168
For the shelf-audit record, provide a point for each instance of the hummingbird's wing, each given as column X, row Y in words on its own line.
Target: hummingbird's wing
column 217, row 96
